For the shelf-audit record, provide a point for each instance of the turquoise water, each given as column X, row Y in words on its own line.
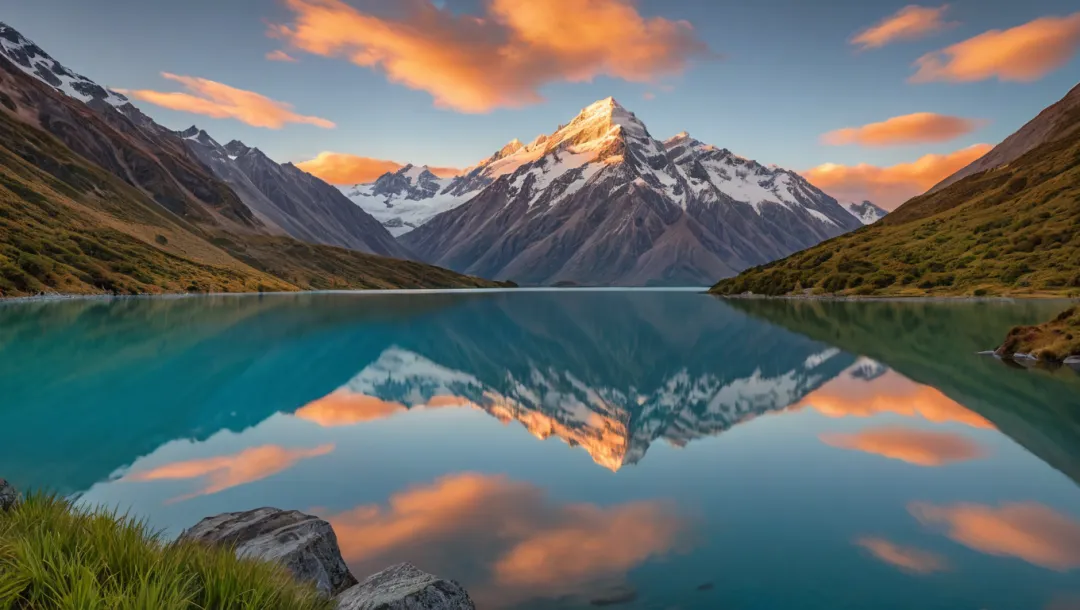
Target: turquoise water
column 559, row 449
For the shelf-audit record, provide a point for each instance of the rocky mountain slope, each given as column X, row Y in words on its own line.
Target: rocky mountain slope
column 94, row 200
column 1011, row 230
column 1054, row 123
column 600, row 201
column 283, row 196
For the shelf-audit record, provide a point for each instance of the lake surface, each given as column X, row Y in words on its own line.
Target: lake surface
column 562, row 449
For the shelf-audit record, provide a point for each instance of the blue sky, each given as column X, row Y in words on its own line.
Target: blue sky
column 787, row 75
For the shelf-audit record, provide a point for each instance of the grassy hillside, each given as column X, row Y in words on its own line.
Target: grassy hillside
column 67, row 225
column 1051, row 341
column 1010, row 231
column 56, row 555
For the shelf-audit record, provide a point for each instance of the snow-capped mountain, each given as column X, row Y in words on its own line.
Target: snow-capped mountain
column 866, row 212
column 600, row 201
column 615, row 426
column 291, row 200
column 36, row 62
column 407, row 198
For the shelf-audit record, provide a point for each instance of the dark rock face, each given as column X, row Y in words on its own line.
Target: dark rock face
column 8, row 495
column 303, row 544
column 405, row 587
column 291, row 200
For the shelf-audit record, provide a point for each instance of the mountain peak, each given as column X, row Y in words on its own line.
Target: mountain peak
column 34, row 61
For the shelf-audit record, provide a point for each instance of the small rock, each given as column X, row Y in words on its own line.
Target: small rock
column 405, row 587
column 8, row 495
column 303, row 544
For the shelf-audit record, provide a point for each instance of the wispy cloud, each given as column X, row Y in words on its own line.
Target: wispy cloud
column 1033, row 532
column 345, row 169
column 219, row 101
column 280, row 55
column 510, row 542
column 906, row 558
column 917, row 128
column 919, row 447
column 228, row 471
column 889, row 393
column 891, row 186
column 475, row 63
column 1024, row 53
column 909, row 23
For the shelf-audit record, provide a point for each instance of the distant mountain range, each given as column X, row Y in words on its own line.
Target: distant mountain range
column 103, row 199
column 1005, row 225
column 600, row 201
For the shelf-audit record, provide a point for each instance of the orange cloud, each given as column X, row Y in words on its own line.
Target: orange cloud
column 345, row 408
column 1029, row 531
column 908, row 559
column 220, row 101
column 891, row 186
column 228, row 471
column 1024, row 53
column 475, row 64
column 917, row 128
column 920, row 447
column 280, row 55
column 505, row 539
column 893, row 393
column 909, row 23
column 344, row 169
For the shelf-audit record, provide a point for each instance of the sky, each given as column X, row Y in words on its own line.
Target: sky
column 868, row 99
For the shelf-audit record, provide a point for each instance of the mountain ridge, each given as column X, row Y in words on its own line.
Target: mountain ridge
column 600, row 201
column 97, row 198
column 1010, row 230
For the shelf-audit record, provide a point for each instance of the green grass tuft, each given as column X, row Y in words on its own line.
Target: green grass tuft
column 55, row 555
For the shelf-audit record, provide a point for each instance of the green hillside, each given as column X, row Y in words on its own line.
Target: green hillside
column 1011, row 231
column 67, row 225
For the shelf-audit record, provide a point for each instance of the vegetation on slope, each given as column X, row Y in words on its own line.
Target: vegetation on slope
column 1051, row 341
column 1010, row 231
column 66, row 225
column 54, row 555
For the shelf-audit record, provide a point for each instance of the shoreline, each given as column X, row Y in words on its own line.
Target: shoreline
column 894, row 299
column 46, row 298
column 59, row 297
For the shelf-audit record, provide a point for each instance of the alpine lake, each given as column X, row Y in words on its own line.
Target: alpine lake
column 634, row 449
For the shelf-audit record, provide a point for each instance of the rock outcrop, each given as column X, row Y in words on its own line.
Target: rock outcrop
column 405, row 587
column 8, row 495
column 303, row 544
column 308, row 548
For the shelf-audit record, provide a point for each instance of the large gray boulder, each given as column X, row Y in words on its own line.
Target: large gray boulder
column 8, row 495
column 405, row 587
column 305, row 545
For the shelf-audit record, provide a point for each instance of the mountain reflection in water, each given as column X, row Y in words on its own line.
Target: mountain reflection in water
column 751, row 455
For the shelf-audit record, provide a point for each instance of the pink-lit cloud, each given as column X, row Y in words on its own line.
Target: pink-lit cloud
column 891, row 186
column 219, row 101
column 917, row 128
column 1029, row 531
column 1024, row 53
column 476, row 63
column 909, row 23
column 345, row 169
